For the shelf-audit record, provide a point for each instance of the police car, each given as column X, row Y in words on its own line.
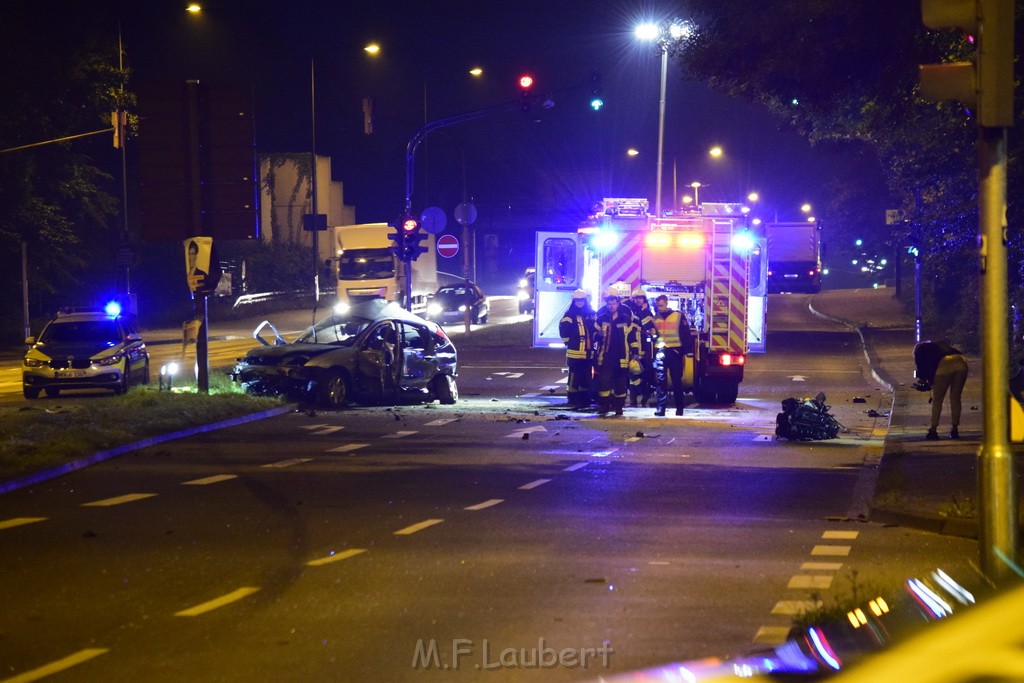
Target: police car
column 85, row 348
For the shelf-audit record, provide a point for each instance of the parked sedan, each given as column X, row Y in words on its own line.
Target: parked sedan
column 449, row 304
column 527, row 290
column 376, row 351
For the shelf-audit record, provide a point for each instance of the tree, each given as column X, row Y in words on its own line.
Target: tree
column 842, row 72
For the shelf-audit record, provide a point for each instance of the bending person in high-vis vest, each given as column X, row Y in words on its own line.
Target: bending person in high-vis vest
column 674, row 341
column 577, row 329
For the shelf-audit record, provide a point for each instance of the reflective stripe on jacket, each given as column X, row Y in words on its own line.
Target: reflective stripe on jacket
column 576, row 330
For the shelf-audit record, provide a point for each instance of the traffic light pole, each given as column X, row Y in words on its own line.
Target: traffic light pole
column 998, row 510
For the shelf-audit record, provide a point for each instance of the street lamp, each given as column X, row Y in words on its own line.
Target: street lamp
column 696, row 197
column 663, row 34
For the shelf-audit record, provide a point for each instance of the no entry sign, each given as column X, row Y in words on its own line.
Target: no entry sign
column 447, row 246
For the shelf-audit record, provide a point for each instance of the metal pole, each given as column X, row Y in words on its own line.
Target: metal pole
column 917, row 297
column 312, row 180
column 998, row 508
column 202, row 353
column 661, row 128
column 24, row 289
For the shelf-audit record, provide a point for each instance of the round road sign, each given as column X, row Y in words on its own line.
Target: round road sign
column 447, row 246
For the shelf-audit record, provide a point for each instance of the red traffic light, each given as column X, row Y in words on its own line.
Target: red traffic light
column 410, row 224
column 526, row 81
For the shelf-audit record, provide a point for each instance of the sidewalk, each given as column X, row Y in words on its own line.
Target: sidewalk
column 929, row 485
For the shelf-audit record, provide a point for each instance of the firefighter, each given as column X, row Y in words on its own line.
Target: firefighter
column 674, row 341
column 619, row 344
column 577, row 331
column 643, row 384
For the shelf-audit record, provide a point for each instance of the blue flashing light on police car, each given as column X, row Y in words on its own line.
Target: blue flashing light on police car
column 112, row 308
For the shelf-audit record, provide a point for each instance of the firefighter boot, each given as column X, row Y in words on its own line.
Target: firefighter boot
column 679, row 403
column 619, row 402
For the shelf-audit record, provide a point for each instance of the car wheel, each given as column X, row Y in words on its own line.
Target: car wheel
column 52, row 392
column 145, row 373
column 334, row 389
column 728, row 395
column 483, row 318
column 126, row 381
column 29, row 393
column 446, row 390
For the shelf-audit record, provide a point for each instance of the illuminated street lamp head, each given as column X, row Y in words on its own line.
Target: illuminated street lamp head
column 476, row 71
column 373, row 49
column 194, row 8
column 632, row 151
column 715, row 151
column 526, row 81
column 696, row 184
column 647, row 31
column 806, row 208
column 753, row 197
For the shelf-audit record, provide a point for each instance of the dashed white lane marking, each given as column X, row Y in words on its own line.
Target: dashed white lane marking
column 486, row 504
column 20, row 521
column 398, row 435
column 840, row 535
column 528, row 395
column 217, row 478
column 347, row 447
column 419, row 526
column 335, row 557
column 577, row 466
column 810, row 581
column 564, row 380
column 316, row 426
column 534, row 484
column 287, row 463
column 118, row 500
column 518, row 434
column 58, row 665
column 771, row 635
column 821, row 566
column 210, row 605
column 327, row 430
column 794, row 608
column 831, row 550
column 509, row 375
column 443, row 421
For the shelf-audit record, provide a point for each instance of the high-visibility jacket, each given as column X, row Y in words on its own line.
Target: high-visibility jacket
column 644, row 318
column 619, row 337
column 673, row 331
column 577, row 329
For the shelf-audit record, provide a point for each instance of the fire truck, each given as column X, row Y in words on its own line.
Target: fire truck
column 709, row 265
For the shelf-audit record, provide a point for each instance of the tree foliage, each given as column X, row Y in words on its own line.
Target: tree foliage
column 845, row 73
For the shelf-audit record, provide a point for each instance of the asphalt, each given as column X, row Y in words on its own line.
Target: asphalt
column 928, row 485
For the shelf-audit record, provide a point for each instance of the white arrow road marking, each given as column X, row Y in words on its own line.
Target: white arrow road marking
column 287, row 463
column 19, row 521
column 59, row 665
column 327, row 430
column 419, row 526
column 441, row 422
column 335, row 557
column 509, row 375
column 217, row 478
column 398, row 435
column 551, row 387
column 519, row 432
column 486, row 504
column 564, row 380
column 347, row 447
column 118, row 500
column 211, row 605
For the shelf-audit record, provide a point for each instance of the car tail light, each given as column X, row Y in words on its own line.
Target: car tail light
column 732, row 359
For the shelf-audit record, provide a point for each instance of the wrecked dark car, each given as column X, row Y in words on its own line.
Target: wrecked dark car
column 375, row 352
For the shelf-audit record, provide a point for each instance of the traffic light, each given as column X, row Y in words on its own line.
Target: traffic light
column 397, row 238
column 525, row 92
column 596, row 101
column 410, row 237
column 986, row 84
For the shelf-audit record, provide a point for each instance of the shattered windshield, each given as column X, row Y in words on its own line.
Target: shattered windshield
column 334, row 330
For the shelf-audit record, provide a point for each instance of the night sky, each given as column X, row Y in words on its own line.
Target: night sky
column 551, row 166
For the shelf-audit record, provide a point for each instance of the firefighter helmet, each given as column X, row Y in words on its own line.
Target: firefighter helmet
column 635, row 368
column 612, row 293
column 638, row 292
column 579, row 294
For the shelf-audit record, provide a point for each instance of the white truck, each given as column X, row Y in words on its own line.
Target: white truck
column 367, row 268
column 794, row 257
